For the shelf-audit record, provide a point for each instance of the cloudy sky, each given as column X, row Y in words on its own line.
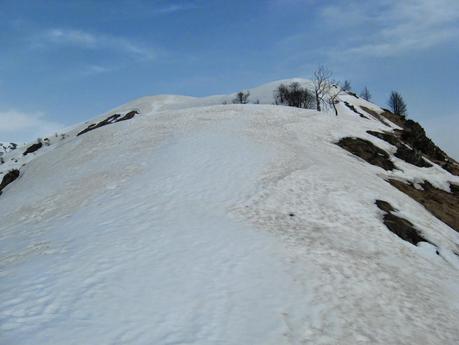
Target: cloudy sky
column 63, row 62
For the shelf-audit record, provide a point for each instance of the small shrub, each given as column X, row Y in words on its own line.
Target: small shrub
column 241, row 98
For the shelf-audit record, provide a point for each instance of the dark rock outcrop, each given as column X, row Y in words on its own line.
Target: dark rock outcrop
column 384, row 206
column 109, row 120
column 351, row 107
column 399, row 226
column 32, row 148
column 386, row 136
column 411, row 156
column 375, row 115
column 367, row 151
column 9, row 177
column 415, row 136
column 403, row 152
column 128, row 116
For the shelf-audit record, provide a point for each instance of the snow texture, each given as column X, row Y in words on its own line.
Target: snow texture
column 202, row 223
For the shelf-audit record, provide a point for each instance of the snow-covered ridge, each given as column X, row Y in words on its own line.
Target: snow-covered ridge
column 200, row 222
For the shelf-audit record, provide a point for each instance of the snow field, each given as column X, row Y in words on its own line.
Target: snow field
column 196, row 223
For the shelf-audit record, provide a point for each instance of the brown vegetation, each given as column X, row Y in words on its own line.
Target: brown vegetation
column 443, row 205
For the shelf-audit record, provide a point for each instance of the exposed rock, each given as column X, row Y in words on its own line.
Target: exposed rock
column 9, row 177
column 375, row 115
column 108, row 121
column 367, row 151
column 403, row 152
column 386, row 136
column 32, row 148
column 399, row 226
column 384, row 206
column 397, row 119
column 350, row 106
column 415, row 136
column 411, row 156
column 128, row 116
column 443, row 205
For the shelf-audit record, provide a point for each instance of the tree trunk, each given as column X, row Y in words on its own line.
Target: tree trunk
column 317, row 101
column 334, row 108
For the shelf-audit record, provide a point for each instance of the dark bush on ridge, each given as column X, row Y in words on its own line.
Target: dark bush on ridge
column 294, row 95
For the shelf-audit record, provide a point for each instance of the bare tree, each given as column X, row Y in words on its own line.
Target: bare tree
column 397, row 104
column 326, row 90
column 365, row 94
column 242, row 97
column 321, row 81
column 334, row 91
column 347, row 86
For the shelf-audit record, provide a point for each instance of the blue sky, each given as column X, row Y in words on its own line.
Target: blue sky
column 63, row 62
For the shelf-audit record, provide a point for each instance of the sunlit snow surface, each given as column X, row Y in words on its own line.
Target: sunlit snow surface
column 224, row 224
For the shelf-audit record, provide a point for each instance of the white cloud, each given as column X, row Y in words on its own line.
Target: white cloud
column 392, row 28
column 18, row 127
column 88, row 40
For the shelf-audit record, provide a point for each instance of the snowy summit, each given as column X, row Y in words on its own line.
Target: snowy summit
column 182, row 220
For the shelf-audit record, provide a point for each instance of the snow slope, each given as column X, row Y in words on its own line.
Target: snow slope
column 199, row 223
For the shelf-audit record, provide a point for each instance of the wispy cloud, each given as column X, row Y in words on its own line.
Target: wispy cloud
column 94, row 41
column 172, row 8
column 96, row 69
column 392, row 28
column 18, row 126
column 60, row 36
